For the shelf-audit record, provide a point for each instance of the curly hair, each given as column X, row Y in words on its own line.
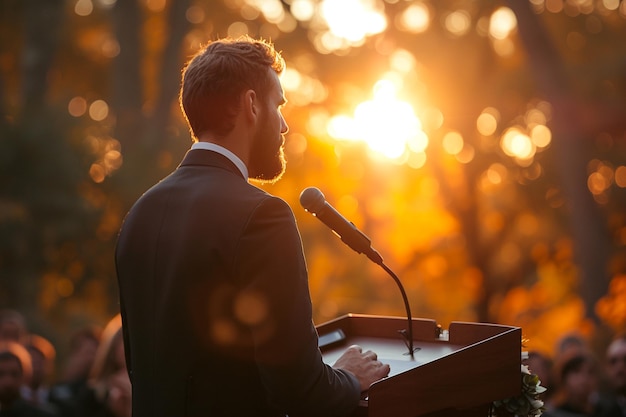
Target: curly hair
column 217, row 75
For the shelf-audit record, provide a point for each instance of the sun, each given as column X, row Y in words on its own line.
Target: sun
column 387, row 125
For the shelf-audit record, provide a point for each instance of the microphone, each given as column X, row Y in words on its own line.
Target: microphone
column 315, row 203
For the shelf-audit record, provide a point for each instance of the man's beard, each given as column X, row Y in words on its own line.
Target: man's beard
column 267, row 163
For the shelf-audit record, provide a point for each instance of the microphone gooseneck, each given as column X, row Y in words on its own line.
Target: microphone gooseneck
column 313, row 201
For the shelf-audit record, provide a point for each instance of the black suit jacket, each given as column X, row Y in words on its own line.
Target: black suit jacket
column 215, row 302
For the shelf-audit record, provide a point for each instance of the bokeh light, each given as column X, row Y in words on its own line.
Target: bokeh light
column 517, row 144
column 99, row 110
column 77, row 106
column 303, row 10
column 83, row 7
column 487, row 121
column 452, row 143
column 502, row 23
column 386, row 124
column 414, row 19
column 458, row 22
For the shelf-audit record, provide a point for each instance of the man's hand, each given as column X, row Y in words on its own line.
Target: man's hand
column 364, row 365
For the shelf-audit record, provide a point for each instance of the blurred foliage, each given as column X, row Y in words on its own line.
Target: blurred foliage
column 90, row 121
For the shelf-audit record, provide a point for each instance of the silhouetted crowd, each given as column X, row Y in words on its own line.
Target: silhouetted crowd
column 92, row 383
column 578, row 382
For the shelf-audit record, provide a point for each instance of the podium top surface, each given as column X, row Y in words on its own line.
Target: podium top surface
column 467, row 365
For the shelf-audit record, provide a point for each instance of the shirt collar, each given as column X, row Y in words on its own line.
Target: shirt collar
column 223, row 151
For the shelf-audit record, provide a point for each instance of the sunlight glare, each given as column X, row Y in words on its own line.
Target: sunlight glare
column 387, row 125
column 366, row 18
column 374, row 121
column 342, row 127
column 431, row 118
column 317, row 122
column 418, row 143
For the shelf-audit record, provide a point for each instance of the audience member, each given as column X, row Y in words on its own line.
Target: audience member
column 541, row 365
column 12, row 326
column 71, row 387
column 616, row 371
column 15, row 370
column 109, row 379
column 42, row 355
column 577, row 377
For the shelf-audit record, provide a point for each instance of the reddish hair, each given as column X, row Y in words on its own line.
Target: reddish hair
column 214, row 79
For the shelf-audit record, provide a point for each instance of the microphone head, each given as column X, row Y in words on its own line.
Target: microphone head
column 312, row 200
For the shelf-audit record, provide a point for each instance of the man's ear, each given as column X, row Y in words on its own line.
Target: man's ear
column 251, row 104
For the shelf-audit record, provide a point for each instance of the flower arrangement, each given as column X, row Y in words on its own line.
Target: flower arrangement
column 527, row 404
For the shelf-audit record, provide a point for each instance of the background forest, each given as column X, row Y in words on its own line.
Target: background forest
column 480, row 144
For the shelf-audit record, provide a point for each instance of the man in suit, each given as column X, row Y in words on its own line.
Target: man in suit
column 213, row 282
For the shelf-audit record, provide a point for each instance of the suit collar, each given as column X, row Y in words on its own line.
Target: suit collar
column 224, row 151
column 205, row 157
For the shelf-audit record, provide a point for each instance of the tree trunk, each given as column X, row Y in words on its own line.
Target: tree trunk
column 588, row 228
column 127, row 91
column 169, row 77
column 42, row 22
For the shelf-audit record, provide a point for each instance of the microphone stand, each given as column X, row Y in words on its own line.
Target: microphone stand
column 408, row 334
column 314, row 202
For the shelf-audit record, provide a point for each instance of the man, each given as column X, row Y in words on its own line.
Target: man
column 213, row 282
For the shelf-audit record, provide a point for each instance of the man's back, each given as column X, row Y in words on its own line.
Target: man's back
column 215, row 300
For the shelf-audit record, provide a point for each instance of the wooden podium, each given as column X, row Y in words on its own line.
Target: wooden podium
column 456, row 372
